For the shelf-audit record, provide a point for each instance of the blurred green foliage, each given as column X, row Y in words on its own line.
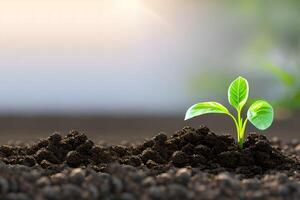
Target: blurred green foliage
column 272, row 49
column 277, row 40
column 291, row 98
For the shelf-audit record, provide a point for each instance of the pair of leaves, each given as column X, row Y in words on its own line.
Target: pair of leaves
column 260, row 113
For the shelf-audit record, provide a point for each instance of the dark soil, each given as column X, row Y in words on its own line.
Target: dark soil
column 188, row 147
column 202, row 155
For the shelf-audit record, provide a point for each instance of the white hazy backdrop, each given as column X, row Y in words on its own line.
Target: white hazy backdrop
column 112, row 56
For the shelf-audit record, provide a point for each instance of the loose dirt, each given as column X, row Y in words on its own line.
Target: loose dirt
column 188, row 162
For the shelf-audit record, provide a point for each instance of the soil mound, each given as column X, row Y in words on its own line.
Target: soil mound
column 199, row 148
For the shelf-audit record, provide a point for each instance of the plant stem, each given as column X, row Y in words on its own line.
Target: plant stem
column 243, row 129
column 240, row 129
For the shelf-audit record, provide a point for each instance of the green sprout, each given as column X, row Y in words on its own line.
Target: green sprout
column 260, row 113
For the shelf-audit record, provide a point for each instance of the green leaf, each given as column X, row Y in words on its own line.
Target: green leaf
column 238, row 92
column 205, row 108
column 261, row 114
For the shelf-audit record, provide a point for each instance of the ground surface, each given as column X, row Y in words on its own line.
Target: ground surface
column 189, row 164
column 131, row 128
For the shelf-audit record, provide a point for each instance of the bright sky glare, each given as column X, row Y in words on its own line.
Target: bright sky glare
column 100, row 55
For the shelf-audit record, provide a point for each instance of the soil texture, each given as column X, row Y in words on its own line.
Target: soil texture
column 190, row 164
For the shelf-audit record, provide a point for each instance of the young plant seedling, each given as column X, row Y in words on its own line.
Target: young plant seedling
column 260, row 113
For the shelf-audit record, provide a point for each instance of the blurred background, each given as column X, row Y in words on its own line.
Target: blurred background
column 128, row 69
